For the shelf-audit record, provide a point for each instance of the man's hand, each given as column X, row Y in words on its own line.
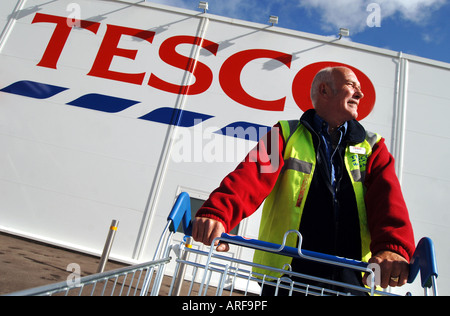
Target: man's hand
column 205, row 230
column 394, row 269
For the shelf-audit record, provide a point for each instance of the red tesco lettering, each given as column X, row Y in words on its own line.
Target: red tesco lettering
column 229, row 75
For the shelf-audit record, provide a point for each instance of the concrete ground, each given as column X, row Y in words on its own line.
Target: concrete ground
column 26, row 264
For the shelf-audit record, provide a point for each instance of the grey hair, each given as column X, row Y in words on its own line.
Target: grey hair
column 323, row 76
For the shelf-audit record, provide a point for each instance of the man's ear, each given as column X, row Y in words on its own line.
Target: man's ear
column 323, row 90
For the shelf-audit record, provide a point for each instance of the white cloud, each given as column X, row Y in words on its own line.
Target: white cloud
column 357, row 15
column 353, row 14
column 416, row 11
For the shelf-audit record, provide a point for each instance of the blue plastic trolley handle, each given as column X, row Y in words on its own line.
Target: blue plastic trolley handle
column 181, row 213
column 423, row 260
column 289, row 251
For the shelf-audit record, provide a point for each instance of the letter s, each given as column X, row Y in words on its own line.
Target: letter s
column 202, row 73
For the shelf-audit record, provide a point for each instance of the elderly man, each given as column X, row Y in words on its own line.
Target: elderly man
column 334, row 182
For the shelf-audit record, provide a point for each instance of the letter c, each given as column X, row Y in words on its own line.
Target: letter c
column 230, row 78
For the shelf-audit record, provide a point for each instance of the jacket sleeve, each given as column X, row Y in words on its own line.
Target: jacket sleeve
column 387, row 214
column 241, row 192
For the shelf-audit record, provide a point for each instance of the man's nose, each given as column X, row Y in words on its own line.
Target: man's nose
column 359, row 94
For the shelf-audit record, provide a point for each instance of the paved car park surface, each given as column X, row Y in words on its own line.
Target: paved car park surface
column 26, row 264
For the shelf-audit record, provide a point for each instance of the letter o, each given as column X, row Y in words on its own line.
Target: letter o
column 301, row 87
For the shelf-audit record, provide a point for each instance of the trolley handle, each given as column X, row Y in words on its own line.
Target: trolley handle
column 423, row 260
column 181, row 213
column 290, row 251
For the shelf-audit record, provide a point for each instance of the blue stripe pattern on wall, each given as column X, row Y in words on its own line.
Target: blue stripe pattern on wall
column 110, row 104
column 33, row 89
column 176, row 117
column 104, row 103
column 245, row 130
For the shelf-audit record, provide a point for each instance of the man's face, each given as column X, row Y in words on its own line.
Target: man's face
column 347, row 95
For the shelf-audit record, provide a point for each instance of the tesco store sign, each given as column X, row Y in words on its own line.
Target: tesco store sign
column 229, row 74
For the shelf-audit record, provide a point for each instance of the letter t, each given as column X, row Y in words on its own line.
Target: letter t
column 59, row 37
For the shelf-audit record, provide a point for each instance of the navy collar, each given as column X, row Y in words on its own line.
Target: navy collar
column 355, row 133
column 321, row 126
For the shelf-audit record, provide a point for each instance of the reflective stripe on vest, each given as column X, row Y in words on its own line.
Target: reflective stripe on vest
column 283, row 208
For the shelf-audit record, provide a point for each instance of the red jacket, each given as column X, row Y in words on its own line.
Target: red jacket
column 242, row 192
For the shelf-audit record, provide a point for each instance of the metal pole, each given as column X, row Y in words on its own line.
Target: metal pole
column 161, row 174
column 180, row 276
column 108, row 245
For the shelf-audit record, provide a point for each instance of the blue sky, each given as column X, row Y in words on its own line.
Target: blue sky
column 417, row 27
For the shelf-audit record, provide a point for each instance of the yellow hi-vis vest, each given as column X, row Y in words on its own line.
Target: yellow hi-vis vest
column 283, row 208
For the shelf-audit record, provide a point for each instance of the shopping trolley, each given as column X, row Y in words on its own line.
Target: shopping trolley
column 230, row 270
column 205, row 273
